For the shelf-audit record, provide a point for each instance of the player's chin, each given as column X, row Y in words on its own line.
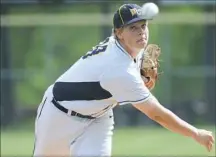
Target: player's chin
column 141, row 45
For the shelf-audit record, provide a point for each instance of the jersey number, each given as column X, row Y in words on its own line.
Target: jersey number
column 98, row 49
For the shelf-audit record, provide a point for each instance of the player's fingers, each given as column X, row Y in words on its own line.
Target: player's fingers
column 207, row 147
column 206, row 144
column 211, row 138
column 210, row 146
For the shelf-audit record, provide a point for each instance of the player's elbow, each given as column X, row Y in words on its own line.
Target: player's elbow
column 152, row 109
column 152, row 114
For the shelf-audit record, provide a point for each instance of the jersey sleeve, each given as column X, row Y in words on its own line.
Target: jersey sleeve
column 126, row 86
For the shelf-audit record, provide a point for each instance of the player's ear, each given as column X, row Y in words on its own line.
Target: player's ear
column 118, row 32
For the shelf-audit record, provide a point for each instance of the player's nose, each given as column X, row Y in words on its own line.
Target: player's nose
column 142, row 32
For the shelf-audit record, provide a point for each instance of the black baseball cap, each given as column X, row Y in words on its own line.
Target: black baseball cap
column 127, row 14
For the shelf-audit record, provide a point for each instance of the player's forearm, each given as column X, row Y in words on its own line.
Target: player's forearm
column 154, row 110
column 172, row 122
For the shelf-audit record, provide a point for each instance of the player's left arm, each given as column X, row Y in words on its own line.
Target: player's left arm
column 149, row 65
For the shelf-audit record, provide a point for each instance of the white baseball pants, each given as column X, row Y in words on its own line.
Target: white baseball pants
column 58, row 134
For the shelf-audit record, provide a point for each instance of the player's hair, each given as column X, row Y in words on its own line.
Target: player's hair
column 114, row 34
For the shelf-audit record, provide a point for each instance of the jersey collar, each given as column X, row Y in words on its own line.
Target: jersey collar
column 122, row 49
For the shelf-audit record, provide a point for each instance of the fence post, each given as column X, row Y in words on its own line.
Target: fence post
column 209, row 51
column 105, row 8
column 7, row 99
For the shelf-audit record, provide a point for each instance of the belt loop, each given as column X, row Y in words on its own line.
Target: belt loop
column 69, row 112
column 76, row 113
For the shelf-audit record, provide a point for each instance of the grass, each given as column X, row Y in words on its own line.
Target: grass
column 141, row 141
column 155, row 141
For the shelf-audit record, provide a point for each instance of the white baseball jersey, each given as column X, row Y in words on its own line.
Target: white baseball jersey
column 106, row 75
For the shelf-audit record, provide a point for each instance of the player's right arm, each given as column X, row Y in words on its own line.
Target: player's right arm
column 127, row 87
column 155, row 111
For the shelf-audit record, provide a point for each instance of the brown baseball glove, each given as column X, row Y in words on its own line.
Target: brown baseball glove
column 150, row 65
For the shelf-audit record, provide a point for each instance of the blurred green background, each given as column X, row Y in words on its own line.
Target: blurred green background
column 41, row 39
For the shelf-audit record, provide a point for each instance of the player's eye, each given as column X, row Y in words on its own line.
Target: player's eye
column 144, row 26
column 132, row 27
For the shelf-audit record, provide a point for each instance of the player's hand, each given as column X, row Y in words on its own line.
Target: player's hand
column 205, row 138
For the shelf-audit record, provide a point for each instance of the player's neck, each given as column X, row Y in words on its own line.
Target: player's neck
column 133, row 52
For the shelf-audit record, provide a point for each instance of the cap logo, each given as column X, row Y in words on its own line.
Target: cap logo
column 135, row 11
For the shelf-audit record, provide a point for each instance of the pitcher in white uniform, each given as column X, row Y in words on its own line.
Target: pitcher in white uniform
column 75, row 116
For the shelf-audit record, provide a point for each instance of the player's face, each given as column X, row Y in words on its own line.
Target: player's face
column 135, row 35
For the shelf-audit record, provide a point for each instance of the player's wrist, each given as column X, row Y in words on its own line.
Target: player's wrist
column 195, row 133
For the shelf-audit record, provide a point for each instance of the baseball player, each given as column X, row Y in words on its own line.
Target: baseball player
column 75, row 116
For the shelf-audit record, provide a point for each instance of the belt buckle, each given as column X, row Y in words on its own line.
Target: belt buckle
column 70, row 113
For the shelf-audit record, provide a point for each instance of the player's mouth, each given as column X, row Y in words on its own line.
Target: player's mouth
column 141, row 41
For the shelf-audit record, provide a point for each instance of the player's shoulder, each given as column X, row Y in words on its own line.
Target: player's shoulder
column 112, row 43
column 108, row 40
column 124, row 72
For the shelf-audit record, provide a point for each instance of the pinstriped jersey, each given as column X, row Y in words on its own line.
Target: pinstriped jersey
column 104, row 76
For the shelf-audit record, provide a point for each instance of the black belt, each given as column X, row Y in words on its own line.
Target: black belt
column 70, row 112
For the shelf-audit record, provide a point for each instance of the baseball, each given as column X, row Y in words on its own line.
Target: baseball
column 150, row 10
